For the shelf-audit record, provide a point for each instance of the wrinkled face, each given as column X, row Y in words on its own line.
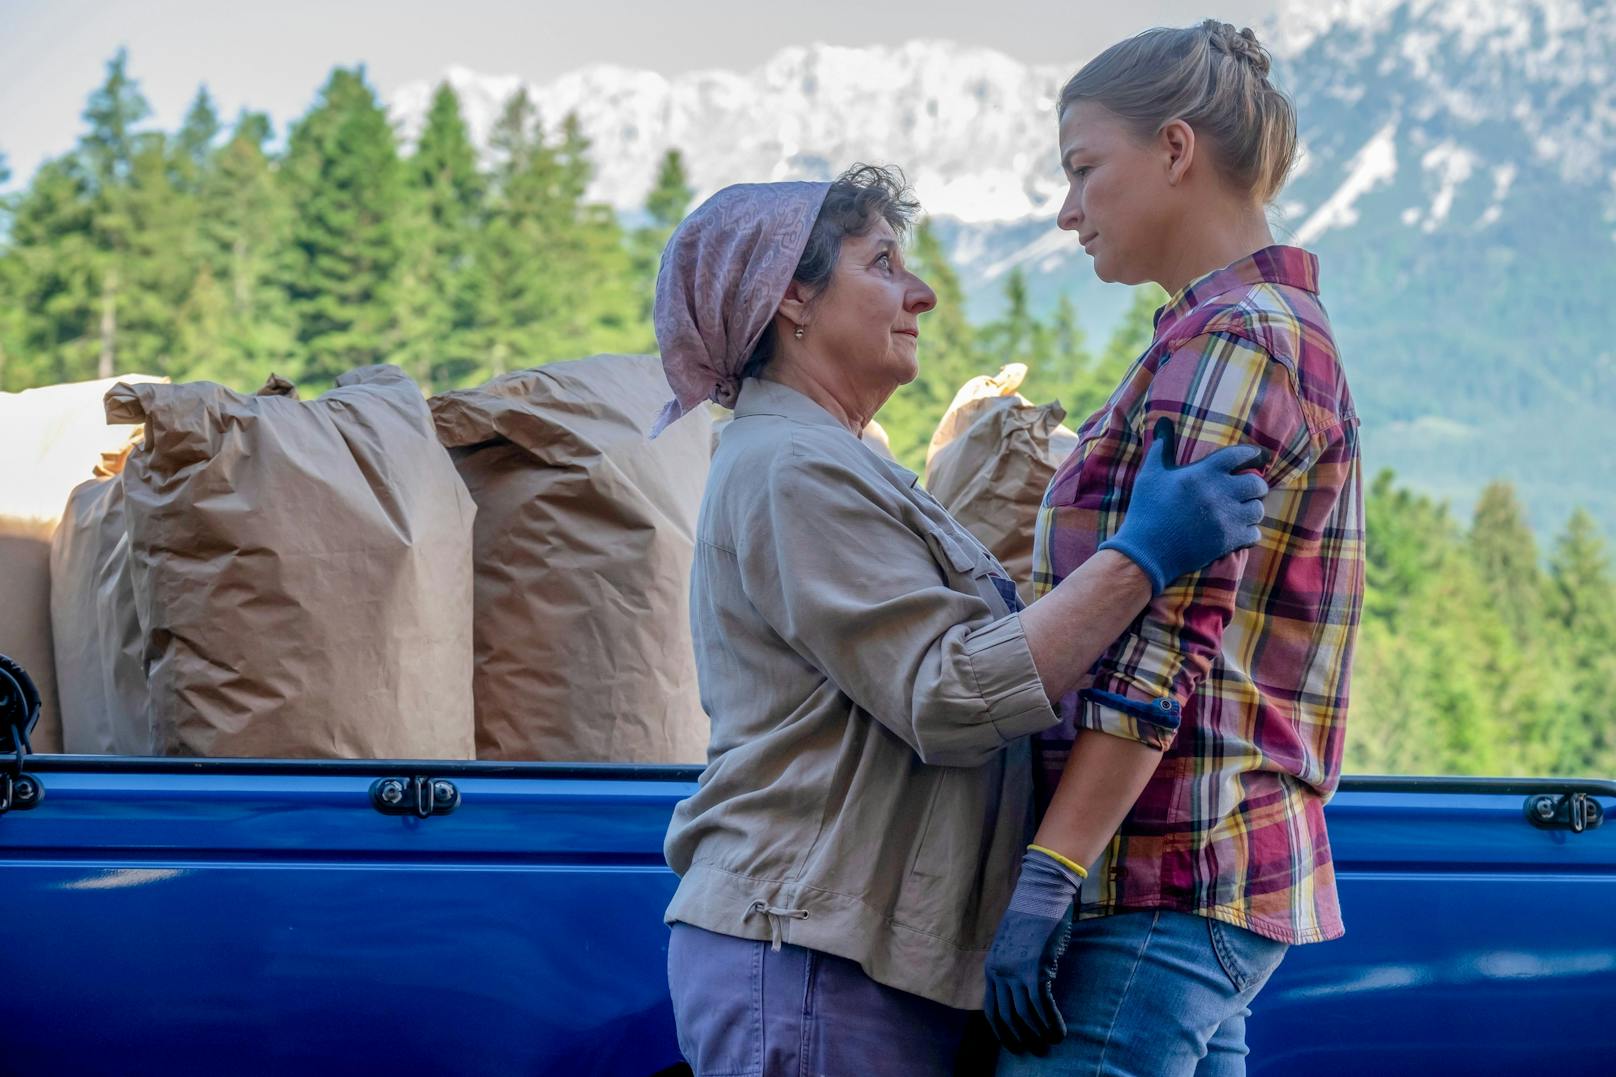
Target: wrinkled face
column 1118, row 199
column 867, row 319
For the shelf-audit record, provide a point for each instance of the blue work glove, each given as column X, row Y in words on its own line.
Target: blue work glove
column 1184, row 518
column 1020, row 1001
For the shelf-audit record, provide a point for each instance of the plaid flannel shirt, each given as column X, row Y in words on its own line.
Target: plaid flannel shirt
column 1239, row 672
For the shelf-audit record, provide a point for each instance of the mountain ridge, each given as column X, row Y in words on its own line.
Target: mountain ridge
column 1457, row 179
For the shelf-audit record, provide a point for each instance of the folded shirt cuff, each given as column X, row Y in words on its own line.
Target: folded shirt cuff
column 1125, row 710
column 1007, row 680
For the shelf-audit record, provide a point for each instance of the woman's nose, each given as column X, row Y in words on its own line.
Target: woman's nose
column 921, row 298
column 1070, row 218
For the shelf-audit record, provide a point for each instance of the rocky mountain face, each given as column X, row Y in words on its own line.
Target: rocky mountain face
column 1458, row 182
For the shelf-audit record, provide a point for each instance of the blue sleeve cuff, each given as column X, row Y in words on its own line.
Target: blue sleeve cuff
column 1164, row 711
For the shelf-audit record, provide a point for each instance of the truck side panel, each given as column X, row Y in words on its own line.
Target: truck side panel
column 247, row 920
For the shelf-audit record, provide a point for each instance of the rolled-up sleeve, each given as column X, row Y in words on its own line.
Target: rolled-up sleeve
column 830, row 563
column 1218, row 389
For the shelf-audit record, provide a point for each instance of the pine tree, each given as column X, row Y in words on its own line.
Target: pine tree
column 442, row 212
column 1015, row 336
column 1426, row 693
column 245, row 233
column 107, row 153
column 948, row 348
column 113, row 112
column 573, row 170
column 193, row 145
column 511, row 289
column 1582, row 591
column 159, row 260
column 1133, row 334
column 598, row 307
column 202, row 345
column 346, row 184
column 1407, row 542
column 1582, row 604
column 56, row 272
column 665, row 206
column 553, row 277
column 1505, row 552
column 1026, row 337
column 670, row 195
column 1446, row 679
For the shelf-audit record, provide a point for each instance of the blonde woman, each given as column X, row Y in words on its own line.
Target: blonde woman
column 1185, row 797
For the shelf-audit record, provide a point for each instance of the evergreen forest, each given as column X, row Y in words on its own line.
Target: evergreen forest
column 222, row 252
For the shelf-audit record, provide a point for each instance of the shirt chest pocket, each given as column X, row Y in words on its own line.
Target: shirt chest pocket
column 971, row 569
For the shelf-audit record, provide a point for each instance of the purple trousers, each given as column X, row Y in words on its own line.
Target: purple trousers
column 744, row 1009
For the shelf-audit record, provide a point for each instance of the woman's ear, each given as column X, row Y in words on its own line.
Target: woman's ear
column 794, row 307
column 1177, row 144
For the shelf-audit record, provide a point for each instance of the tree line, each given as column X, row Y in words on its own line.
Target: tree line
column 206, row 254
column 217, row 253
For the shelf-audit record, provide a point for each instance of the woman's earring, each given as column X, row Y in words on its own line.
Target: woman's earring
column 798, row 333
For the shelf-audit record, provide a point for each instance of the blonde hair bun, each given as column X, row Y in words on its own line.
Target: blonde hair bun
column 1241, row 44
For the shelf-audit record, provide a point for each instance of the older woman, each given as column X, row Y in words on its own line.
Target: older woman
column 870, row 676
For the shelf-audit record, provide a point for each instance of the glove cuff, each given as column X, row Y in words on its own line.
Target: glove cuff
column 1046, row 888
column 1147, row 564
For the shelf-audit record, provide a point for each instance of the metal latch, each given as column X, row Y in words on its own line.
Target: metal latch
column 416, row 795
column 19, row 711
column 1575, row 812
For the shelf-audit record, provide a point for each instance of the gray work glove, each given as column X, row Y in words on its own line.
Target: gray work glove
column 1020, row 1000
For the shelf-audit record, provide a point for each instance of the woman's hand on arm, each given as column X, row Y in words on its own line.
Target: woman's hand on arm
column 1071, row 627
column 1183, row 518
column 1180, row 519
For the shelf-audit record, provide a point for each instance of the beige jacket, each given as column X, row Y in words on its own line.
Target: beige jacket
column 868, row 785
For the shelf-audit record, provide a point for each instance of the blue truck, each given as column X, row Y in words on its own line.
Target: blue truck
column 241, row 917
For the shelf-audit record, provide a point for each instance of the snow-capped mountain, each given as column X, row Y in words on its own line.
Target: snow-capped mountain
column 1458, row 180
column 972, row 127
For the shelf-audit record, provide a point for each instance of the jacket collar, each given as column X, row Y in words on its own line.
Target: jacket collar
column 762, row 397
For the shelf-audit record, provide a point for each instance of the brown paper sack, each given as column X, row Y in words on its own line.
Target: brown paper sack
column 93, row 621
column 964, row 408
column 302, row 571
column 97, row 633
column 992, row 464
column 50, row 440
column 585, row 531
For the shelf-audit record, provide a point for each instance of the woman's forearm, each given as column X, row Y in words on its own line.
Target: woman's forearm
column 1102, row 779
column 1067, row 631
column 1069, row 628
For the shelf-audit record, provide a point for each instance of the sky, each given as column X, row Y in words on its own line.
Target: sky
column 273, row 55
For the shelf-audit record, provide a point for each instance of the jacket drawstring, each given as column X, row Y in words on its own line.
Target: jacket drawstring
column 775, row 913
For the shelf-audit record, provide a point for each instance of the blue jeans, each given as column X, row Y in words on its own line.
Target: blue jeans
column 744, row 1009
column 1154, row 994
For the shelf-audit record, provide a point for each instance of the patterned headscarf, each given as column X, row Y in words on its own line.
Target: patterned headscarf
column 722, row 278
